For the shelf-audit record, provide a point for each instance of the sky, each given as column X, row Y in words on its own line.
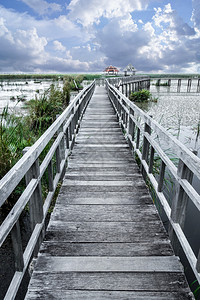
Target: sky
column 49, row 36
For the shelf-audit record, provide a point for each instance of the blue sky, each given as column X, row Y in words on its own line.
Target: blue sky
column 156, row 36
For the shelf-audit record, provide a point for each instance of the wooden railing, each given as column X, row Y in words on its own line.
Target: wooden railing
column 128, row 84
column 60, row 137
column 149, row 141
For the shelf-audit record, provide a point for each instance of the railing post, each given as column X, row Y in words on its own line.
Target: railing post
column 60, row 153
column 122, row 88
column 50, row 176
column 17, row 247
column 145, row 149
column 179, row 85
column 161, row 176
column 180, row 200
column 198, row 263
column 35, row 202
column 198, row 85
column 179, row 203
column 151, row 160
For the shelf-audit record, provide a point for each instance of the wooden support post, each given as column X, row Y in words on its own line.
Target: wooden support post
column 62, row 142
column 138, row 138
column 50, row 176
column 58, row 159
column 129, row 89
column 161, row 177
column 122, row 88
column 131, row 124
column 145, row 149
column 180, row 200
column 17, row 247
column 151, row 160
column 179, row 203
column 126, row 90
column 67, row 138
column 35, row 202
column 189, row 85
column 198, row 85
column 179, row 85
column 198, row 263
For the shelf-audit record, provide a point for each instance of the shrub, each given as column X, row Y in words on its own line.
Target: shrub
column 140, row 96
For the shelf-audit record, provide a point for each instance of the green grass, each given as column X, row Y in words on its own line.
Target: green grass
column 140, row 96
column 18, row 132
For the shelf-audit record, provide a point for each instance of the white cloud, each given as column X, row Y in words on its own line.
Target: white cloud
column 4, row 32
column 165, row 43
column 30, row 41
column 89, row 12
column 127, row 24
column 64, row 44
column 168, row 18
column 42, row 7
column 56, row 28
column 196, row 13
column 58, row 46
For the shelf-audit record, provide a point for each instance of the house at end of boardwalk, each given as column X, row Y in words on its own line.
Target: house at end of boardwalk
column 111, row 71
column 129, row 70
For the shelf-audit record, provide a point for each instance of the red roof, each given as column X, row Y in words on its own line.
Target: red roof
column 111, row 69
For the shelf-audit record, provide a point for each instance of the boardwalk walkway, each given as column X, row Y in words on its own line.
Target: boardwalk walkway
column 105, row 239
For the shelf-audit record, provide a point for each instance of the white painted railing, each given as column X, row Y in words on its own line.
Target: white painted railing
column 147, row 139
column 61, row 134
column 129, row 84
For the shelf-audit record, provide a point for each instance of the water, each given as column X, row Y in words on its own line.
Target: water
column 179, row 113
column 13, row 93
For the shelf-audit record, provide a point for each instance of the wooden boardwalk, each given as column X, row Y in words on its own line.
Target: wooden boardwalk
column 105, row 239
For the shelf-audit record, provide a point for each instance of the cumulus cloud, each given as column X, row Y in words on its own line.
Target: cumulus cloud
column 168, row 17
column 89, row 12
column 73, row 42
column 4, row 32
column 161, row 44
column 196, row 13
column 42, row 7
column 58, row 46
column 56, row 28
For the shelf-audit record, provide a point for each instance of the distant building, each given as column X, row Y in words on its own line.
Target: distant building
column 129, row 70
column 111, row 70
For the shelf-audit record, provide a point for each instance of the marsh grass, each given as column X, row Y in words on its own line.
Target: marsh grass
column 19, row 132
column 142, row 96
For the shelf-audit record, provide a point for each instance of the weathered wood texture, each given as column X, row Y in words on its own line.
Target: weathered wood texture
column 105, row 239
column 150, row 143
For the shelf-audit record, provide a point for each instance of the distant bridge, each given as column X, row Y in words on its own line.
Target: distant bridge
column 105, row 239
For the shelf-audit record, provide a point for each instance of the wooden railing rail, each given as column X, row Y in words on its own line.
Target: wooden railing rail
column 61, row 134
column 130, row 84
column 149, row 140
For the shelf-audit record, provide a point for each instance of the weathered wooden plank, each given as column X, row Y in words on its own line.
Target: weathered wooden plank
column 93, row 177
column 110, row 281
column 110, row 199
column 105, row 239
column 112, row 232
column 108, row 295
column 116, row 189
column 164, row 264
column 156, row 248
column 105, row 213
column 124, row 183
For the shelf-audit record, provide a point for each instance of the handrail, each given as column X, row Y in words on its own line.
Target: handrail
column 61, row 134
column 146, row 138
column 127, row 79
